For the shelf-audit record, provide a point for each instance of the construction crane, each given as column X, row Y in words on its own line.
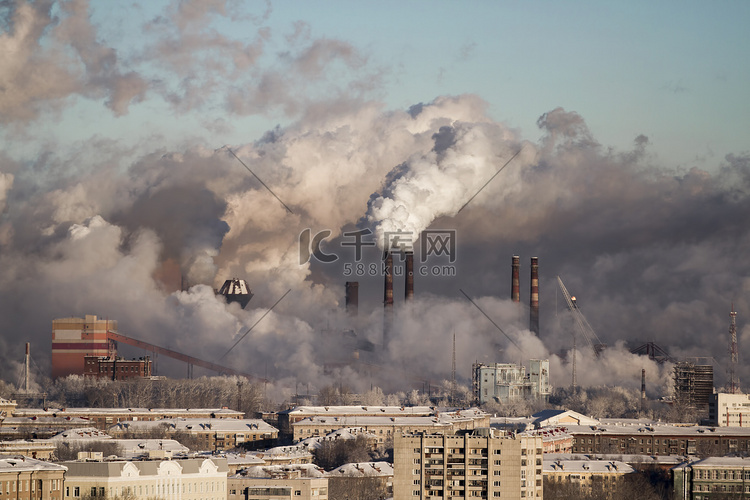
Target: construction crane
column 583, row 326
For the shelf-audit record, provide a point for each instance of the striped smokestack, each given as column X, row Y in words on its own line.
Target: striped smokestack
column 643, row 389
column 409, row 276
column 388, row 298
column 352, row 297
column 534, row 297
column 515, row 284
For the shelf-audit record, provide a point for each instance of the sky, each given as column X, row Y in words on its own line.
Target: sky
column 629, row 122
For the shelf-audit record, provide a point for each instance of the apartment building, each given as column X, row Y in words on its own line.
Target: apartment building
column 729, row 410
column 713, row 477
column 483, row 463
column 385, row 427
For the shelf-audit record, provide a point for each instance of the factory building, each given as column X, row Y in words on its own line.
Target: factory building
column 484, row 463
column 75, row 338
column 729, row 410
column 504, row 382
column 693, row 384
column 116, row 368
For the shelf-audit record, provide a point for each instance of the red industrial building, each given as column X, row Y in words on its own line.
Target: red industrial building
column 75, row 338
column 116, row 368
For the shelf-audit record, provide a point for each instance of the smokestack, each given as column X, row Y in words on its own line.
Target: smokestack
column 352, row 297
column 643, row 389
column 388, row 298
column 515, row 284
column 534, row 297
column 409, row 280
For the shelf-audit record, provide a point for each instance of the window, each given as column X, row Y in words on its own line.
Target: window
column 93, row 491
column 77, row 491
column 297, row 493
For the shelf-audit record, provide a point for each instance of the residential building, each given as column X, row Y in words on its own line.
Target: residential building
column 504, row 382
column 713, row 477
column 483, row 463
column 42, row 449
column 729, row 410
column 600, row 477
column 287, row 418
column 183, row 479
column 279, row 483
column 212, row 434
column 7, row 407
column 23, row 478
column 385, row 427
column 103, row 418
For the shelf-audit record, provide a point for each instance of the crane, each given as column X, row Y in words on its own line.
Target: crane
column 583, row 326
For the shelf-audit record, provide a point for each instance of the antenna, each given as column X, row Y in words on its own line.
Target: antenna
column 734, row 383
column 453, row 369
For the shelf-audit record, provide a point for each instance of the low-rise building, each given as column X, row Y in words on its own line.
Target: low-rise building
column 7, row 407
column 23, row 478
column 116, row 368
column 212, row 434
column 279, row 483
column 385, row 427
column 43, row 449
column 287, row 418
column 372, row 476
column 483, row 463
column 600, row 477
column 713, row 477
column 103, row 418
column 729, row 410
column 183, row 479
column 504, row 382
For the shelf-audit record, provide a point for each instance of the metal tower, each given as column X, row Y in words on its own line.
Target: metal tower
column 734, row 383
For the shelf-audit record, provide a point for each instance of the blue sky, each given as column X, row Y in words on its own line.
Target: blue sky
column 677, row 72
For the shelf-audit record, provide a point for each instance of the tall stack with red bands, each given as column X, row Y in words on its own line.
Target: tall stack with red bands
column 409, row 276
column 534, row 299
column 515, row 286
column 388, row 298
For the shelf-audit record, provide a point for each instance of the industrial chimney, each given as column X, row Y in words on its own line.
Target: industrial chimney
column 388, row 298
column 409, row 275
column 643, row 389
column 352, row 297
column 534, row 297
column 515, row 285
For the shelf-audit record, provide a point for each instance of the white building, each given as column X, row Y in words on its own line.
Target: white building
column 505, row 382
column 185, row 479
column 729, row 410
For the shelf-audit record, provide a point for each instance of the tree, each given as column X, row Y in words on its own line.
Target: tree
column 68, row 450
column 332, row 453
column 356, row 488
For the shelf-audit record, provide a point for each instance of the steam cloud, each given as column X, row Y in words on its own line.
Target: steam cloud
column 651, row 254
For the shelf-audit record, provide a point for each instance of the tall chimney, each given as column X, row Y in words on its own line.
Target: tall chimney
column 352, row 297
column 643, row 389
column 534, row 299
column 515, row 285
column 409, row 276
column 388, row 298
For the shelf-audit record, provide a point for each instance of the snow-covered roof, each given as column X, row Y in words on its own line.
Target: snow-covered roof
column 362, row 469
column 84, row 433
column 638, row 460
column 441, row 419
column 200, row 425
column 361, row 410
column 243, row 459
column 638, row 428
column 176, row 412
column 546, row 418
column 18, row 463
column 586, row 466
column 719, row 462
column 313, row 443
column 271, row 471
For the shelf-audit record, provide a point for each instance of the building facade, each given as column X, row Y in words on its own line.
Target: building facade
column 729, row 410
column 23, row 478
column 591, row 477
column 504, row 382
column 184, row 479
column 712, row 478
column 116, row 368
column 281, row 487
column 75, row 338
column 693, row 384
column 483, row 463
